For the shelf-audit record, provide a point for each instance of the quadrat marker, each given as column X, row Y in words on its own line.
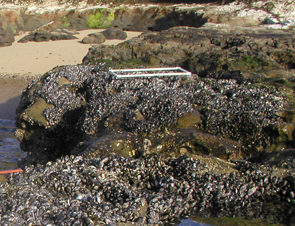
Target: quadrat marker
column 149, row 72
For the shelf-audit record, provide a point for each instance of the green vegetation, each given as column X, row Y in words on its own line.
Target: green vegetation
column 66, row 19
column 135, row 63
column 65, row 22
column 101, row 18
column 252, row 63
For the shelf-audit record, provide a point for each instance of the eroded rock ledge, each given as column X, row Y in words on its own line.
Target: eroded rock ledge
column 206, row 50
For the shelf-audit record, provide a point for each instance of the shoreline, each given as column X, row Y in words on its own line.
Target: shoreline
column 33, row 59
column 23, row 62
column 10, row 95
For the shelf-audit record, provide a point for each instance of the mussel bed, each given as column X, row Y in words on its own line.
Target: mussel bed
column 148, row 191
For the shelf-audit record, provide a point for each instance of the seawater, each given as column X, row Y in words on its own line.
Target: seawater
column 10, row 151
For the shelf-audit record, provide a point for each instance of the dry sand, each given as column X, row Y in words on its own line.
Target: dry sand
column 36, row 58
column 22, row 62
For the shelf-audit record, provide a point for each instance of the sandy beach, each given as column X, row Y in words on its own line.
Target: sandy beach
column 35, row 58
column 21, row 62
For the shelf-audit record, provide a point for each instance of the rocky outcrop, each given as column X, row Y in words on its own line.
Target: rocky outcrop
column 136, row 18
column 63, row 111
column 76, row 109
column 30, row 15
column 205, row 50
column 42, row 36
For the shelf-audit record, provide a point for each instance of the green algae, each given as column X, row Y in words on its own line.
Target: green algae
column 190, row 120
column 66, row 19
column 36, row 112
column 101, row 18
column 65, row 22
column 123, row 148
column 252, row 63
column 134, row 63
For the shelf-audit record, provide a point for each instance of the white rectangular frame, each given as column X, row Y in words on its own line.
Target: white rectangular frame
column 182, row 72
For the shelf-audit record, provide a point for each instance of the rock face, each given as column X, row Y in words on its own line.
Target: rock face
column 76, row 109
column 94, row 38
column 138, row 18
column 30, row 15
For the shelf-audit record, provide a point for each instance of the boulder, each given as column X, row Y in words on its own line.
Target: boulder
column 85, row 109
column 6, row 38
column 94, row 38
column 114, row 33
column 61, row 36
column 43, row 36
column 40, row 36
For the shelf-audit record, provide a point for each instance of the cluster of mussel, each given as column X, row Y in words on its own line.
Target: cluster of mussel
column 232, row 108
column 149, row 191
column 240, row 110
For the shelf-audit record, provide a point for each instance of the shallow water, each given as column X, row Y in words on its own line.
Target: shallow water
column 10, row 151
column 188, row 222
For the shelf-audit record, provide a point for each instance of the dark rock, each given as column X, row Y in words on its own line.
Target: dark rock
column 6, row 38
column 94, row 38
column 185, row 142
column 40, row 36
column 114, row 33
column 23, row 40
column 281, row 159
column 205, row 51
column 43, row 36
column 62, row 36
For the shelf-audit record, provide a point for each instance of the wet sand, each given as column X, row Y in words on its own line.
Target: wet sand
column 10, row 92
column 22, row 62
